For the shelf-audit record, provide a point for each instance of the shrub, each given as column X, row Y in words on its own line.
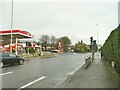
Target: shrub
column 110, row 49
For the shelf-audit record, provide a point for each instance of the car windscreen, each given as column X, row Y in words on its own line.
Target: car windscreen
column 0, row 57
column 4, row 54
column 12, row 55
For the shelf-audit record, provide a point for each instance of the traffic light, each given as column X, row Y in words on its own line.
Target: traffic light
column 30, row 44
column 91, row 40
column 26, row 44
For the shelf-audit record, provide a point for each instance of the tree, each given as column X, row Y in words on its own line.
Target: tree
column 65, row 40
column 53, row 41
column 45, row 39
column 65, row 43
column 56, row 44
column 81, row 47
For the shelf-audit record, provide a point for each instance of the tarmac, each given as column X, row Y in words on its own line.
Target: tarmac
column 99, row 74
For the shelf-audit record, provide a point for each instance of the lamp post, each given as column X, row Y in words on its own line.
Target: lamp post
column 97, row 39
column 11, row 27
column 97, row 33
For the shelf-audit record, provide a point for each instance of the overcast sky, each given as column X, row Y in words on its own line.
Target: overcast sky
column 73, row 18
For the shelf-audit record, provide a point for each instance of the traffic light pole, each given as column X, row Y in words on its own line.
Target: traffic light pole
column 27, row 53
column 93, row 47
column 92, row 53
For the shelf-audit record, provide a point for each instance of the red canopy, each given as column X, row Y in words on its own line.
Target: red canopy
column 5, row 35
column 18, row 32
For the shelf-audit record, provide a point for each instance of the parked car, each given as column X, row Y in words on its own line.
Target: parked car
column 54, row 51
column 10, row 59
column 1, row 64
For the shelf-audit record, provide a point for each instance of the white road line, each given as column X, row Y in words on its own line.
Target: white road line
column 5, row 73
column 39, row 79
column 76, row 69
column 71, row 74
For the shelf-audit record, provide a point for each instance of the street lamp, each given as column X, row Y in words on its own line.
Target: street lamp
column 97, row 33
column 11, row 26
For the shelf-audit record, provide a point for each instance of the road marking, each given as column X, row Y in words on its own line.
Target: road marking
column 5, row 73
column 76, row 69
column 39, row 79
column 71, row 74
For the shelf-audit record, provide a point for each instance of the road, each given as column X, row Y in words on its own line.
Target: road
column 42, row 73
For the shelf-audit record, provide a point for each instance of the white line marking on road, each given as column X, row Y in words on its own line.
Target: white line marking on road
column 76, row 69
column 71, row 74
column 39, row 79
column 6, row 73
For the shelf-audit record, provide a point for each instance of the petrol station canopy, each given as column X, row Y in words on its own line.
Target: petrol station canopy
column 5, row 35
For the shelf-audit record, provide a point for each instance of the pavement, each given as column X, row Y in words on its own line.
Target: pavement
column 97, row 75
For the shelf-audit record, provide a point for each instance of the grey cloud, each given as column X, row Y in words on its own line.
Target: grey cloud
column 63, row 18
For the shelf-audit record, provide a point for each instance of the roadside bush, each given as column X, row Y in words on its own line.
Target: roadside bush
column 31, row 50
column 110, row 49
column 81, row 48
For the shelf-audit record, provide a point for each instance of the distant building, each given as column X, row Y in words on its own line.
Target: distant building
column 118, row 12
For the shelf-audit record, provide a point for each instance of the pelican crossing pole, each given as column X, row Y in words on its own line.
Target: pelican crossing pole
column 91, row 47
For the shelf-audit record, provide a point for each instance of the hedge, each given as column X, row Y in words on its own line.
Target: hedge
column 111, row 49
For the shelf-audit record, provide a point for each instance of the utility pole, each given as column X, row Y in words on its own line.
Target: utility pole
column 97, row 34
column 11, row 27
